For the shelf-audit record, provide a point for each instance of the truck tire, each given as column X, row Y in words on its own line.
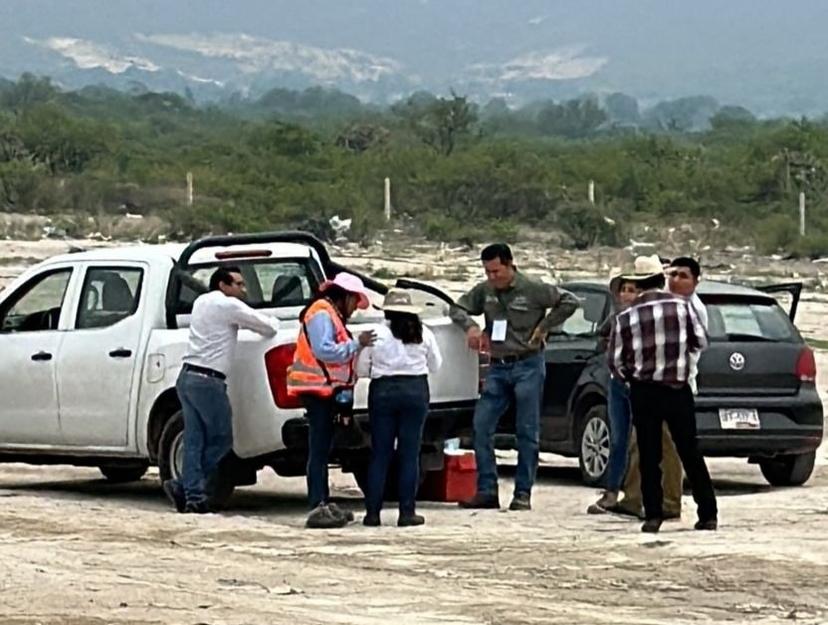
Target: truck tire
column 171, row 458
column 119, row 474
column 789, row 470
column 594, row 445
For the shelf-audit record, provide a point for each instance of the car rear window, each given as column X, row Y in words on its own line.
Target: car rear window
column 749, row 320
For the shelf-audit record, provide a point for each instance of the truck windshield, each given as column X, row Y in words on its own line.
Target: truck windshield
column 271, row 283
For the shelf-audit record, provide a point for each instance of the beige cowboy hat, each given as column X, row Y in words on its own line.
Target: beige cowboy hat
column 397, row 300
column 644, row 267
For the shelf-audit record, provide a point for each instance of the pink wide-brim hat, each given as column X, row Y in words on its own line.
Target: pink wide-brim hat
column 352, row 284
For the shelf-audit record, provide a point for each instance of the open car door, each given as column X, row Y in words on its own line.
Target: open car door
column 788, row 295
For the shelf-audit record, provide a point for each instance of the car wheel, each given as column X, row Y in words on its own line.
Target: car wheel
column 120, row 474
column 171, row 461
column 790, row 470
column 594, row 445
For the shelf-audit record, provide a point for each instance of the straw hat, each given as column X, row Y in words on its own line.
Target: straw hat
column 350, row 283
column 644, row 267
column 397, row 300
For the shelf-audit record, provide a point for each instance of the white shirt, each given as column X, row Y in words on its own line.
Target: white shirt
column 390, row 356
column 214, row 329
column 701, row 312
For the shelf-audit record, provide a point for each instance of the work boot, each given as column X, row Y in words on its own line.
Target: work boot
column 521, row 501
column 651, row 526
column 481, row 501
column 710, row 525
column 342, row 512
column 608, row 499
column 197, row 507
column 371, row 519
column 322, row 517
column 410, row 520
column 626, row 508
column 172, row 489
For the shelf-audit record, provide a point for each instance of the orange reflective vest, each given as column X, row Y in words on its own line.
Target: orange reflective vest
column 307, row 374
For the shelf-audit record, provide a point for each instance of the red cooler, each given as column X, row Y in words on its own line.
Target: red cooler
column 456, row 481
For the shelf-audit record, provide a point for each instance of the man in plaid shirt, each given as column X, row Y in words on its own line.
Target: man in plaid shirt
column 651, row 346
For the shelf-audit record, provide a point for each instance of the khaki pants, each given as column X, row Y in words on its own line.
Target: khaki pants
column 671, row 480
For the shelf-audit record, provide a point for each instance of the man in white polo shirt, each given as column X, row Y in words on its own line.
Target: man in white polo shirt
column 202, row 387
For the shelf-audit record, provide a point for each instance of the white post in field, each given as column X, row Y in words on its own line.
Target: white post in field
column 388, row 199
column 592, row 192
column 189, row 188
column 802, row 213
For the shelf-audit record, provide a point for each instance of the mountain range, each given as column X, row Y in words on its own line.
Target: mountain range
column 768, row 56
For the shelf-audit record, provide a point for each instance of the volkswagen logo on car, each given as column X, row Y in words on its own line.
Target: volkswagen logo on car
column 737, row 361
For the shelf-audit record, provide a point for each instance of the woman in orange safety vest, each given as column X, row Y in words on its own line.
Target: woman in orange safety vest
column 323, row 375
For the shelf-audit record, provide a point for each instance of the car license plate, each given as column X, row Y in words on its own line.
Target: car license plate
column 739, row 419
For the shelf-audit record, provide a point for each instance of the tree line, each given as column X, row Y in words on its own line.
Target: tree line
column 459, row 171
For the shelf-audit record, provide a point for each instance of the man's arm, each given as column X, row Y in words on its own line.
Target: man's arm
column 469, row 304
column 615, row 351
column 696, row 332
column 561, row 304
column 248, row 318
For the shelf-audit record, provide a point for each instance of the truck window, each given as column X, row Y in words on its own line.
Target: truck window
column 109, row 295
column 271, row 283
column 37, row 304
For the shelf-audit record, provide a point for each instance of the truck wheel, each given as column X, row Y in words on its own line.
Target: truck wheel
column 119, row 474
column 789, row 470
column 171, row 461
column 594, row 445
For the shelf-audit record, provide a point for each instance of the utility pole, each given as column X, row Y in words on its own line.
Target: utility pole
column 591, row 192
column 802, row 213
column 388, row 199
column 189, row 188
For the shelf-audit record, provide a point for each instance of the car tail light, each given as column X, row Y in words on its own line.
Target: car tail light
column 806, row 365
column 277, row 361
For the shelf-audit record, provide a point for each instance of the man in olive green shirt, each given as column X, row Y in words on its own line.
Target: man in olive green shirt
column 519, row 313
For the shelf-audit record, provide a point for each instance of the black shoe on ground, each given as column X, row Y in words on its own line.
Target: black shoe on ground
column 342, row 512
column 521, row 501
column 197, row 507
column 481, row 502
column 651, row 526
column 172, row 489
column 410, row 520
column 371, row 520
column 710, row 525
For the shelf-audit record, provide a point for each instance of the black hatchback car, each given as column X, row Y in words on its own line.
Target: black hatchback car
column 757, row 393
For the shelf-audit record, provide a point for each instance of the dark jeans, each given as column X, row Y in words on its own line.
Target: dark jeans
column 652, row 404
column 398, row 406
column 618, row 405
column 208, row 430
column 320, row 413
column 523, row 382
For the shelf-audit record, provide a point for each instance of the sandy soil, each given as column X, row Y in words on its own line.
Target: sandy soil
column 77, row 550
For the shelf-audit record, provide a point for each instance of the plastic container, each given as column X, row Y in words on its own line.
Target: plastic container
column 456, row 481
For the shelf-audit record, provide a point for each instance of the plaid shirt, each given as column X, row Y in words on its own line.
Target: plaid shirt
column 653, row 340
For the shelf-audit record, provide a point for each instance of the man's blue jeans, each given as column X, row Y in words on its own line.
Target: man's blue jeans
column 208, row 430
column 523, row 381
column 620, row 422
column 398, row 406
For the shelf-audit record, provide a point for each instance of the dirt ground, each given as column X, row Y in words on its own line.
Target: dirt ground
column 76, row 550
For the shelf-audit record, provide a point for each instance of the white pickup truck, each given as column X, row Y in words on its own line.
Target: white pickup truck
column 91, row 346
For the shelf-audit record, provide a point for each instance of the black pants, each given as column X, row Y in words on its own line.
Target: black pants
column 652, row 404
column 320, row 413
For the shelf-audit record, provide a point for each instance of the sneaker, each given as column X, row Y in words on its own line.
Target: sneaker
column 608, row 500
column 342, row 512
column 172, row 489
column 197, row 507
column 410, row 520
column 711, row 525
column 371, row 520
column 322, row 517
column 651, row 526
column 480, row 501
column 521, row 501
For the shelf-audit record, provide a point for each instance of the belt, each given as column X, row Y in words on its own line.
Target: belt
column 210, row 373
column 512, row 358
